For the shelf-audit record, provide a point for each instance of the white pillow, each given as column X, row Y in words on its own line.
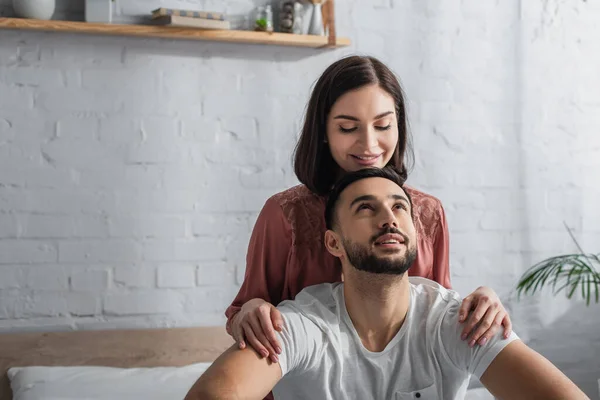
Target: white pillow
column 103, row 383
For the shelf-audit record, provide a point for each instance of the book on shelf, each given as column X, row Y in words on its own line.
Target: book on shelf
column 174, row 20
column 163, row 12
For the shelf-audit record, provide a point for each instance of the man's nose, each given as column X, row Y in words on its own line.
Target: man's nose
column 388, row 219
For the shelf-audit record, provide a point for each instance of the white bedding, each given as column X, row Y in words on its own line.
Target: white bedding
column 103, row 383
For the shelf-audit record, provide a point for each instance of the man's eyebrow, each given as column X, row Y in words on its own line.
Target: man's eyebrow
column 399, row 197
column 366, row 197
column 370, row 197
column 351, row 118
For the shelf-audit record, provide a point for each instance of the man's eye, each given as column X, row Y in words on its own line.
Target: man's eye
column 364, row 207
column 399, row 206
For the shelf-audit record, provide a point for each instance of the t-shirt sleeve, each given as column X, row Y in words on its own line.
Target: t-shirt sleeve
column 474, row 360
column 301, row 341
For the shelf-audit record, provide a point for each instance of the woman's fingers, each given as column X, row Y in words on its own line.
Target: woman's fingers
column 507, row 324
column 253, row 340
column 266, row 323
column 465, row 307
column 267, row 348
column 238, row 335
column 488, row 326
column 489, row 334
column 277, row 319
column 476, row 316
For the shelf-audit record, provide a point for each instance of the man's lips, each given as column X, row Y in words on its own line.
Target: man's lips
column 390, row 239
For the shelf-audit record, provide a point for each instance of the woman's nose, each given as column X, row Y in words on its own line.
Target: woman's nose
column 369, row 138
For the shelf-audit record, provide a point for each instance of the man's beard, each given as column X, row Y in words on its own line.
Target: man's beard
column 363, row 259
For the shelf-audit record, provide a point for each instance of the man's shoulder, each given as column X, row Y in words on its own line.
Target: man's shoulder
column 434, row 304
column 318, row 303
column 323, row 295
column 436, row 294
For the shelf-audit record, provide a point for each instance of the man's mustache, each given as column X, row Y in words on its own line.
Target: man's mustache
column 390, row 230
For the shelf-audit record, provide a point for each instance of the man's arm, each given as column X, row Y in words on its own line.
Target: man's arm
column 518, row 372
column 236, row 374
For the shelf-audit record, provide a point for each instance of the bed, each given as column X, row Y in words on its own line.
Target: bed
column 141, row 357
column 171, row 347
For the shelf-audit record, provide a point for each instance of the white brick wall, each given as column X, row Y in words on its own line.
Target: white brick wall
column 132, row 170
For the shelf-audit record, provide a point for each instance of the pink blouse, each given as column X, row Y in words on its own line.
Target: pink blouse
column 287, row 251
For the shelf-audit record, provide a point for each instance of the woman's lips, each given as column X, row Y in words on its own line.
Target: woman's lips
column 366, row 160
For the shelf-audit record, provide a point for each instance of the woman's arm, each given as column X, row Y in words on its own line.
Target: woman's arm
column 441, row 251
column 264, row 278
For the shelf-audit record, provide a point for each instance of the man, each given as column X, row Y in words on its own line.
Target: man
column 379, row 334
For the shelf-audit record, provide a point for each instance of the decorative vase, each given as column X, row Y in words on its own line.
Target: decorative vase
column 35, row 9
column 290, row 16
column 316, row 22
column 99, row 11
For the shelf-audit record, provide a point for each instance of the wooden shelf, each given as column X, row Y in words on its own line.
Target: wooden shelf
column 168, row 32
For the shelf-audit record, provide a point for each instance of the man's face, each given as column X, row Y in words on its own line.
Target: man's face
column 376, row 228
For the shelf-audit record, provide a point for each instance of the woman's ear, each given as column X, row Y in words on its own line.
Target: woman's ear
column 333, row 244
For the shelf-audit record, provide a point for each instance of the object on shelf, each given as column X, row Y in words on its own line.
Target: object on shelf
column 316, row 22
column 162, row 12
column 98, row 11
column 36, row 9
column 174, row 20
column 290, row 17
column 264, row 19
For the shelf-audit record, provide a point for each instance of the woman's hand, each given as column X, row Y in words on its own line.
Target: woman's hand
column 487, row 314
column 255, row 324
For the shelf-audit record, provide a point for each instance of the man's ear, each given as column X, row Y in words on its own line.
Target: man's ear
column 333, row 243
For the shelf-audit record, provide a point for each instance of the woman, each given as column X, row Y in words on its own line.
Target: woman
column 356, row 118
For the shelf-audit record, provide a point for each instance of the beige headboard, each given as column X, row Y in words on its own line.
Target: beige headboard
column 114, row 348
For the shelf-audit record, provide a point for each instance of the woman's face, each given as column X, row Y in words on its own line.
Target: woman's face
column 362, row 129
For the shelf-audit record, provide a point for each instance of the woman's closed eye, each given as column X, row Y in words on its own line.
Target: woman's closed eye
column 354, row 128
column 383, row 128
column 347, row 129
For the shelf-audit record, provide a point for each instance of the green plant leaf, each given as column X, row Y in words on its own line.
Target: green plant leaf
column 589, row 291
column 568, row 271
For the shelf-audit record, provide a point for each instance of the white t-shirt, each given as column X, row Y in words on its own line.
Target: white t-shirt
column 324, row 358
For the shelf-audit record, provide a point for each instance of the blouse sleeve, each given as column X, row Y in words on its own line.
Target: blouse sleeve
column 441, row 267
column 266, row 260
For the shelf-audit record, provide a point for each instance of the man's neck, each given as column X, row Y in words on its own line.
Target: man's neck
column 377, row 305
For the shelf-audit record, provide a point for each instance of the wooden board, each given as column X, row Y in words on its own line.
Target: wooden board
column 114, row 348
column 170, row 32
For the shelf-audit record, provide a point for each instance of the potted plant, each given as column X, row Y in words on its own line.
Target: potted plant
column 568, row 272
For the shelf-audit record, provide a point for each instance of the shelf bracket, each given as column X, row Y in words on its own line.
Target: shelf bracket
column 329, row 22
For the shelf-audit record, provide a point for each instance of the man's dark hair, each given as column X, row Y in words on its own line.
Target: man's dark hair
column 313, row 164
column 351, row 177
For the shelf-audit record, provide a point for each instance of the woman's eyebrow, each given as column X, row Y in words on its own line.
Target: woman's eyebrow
column 351, row 118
